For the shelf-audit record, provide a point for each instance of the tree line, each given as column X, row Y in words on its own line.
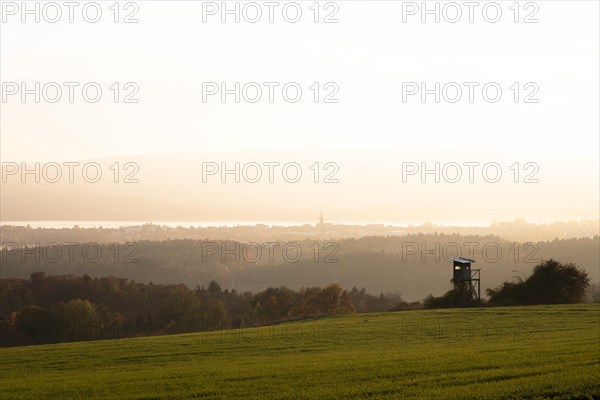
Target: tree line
column 51, row 309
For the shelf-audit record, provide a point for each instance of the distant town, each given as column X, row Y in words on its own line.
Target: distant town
column 518, row 230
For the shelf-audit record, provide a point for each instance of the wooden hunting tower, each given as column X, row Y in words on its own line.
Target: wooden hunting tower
column 467, row 284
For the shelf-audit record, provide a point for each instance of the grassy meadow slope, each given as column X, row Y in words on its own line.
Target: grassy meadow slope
column 539, row 352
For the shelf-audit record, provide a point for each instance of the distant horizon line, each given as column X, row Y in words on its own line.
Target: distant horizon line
column 109, row 224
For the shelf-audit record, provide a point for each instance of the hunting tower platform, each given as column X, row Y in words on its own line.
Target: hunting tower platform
column 467, row 283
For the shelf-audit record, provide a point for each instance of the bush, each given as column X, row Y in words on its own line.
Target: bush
column 550, row 283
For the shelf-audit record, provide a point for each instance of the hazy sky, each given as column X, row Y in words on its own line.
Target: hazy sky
column 368, row 55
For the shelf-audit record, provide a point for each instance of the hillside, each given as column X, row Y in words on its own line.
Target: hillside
column 405, row 264
column 548, row 352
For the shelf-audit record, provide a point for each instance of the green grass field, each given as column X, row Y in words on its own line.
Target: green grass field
column 541, row 352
